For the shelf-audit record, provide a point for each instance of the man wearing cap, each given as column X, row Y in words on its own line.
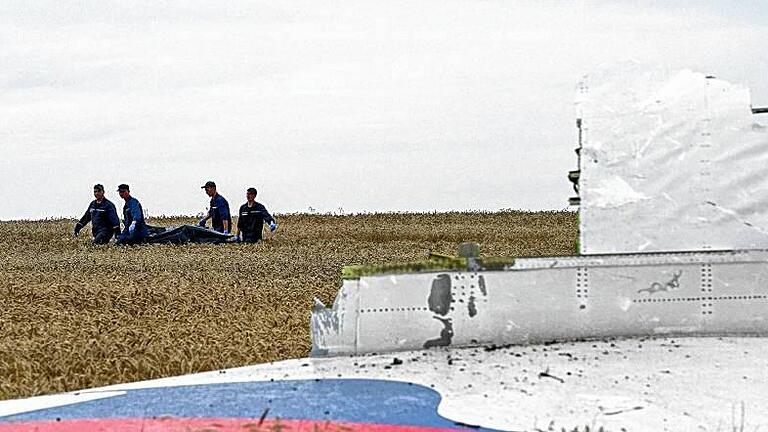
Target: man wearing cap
column 252, row 216
column 102, row 215
column 221, row 220
column 135, row 230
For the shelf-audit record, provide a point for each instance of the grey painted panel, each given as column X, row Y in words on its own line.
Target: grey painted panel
column 644, row 299
column 529, row 306
column 551, row 299
column 735, row 298
column 394, row 312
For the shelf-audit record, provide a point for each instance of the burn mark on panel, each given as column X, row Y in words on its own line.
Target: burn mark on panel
column 481, row 284
column 471, row 306
column 446, row 334
column 440, row 295
column 672, row 284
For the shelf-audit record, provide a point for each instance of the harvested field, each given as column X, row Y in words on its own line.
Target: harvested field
column 74, row 316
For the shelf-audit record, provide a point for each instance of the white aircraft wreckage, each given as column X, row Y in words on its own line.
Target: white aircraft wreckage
column 673, row 245
column 673, row 199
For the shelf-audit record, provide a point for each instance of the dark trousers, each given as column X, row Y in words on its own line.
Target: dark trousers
column 101, row 237
column 127, row 239
column 250, row 237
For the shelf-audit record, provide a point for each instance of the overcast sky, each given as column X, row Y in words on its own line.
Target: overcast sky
column 365, row 105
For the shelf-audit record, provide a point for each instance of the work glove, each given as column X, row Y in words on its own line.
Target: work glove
column 272, row 226
column 132, row 229
column 226, row 232
column 201, row 222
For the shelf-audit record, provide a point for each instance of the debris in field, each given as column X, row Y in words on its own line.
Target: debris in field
column 546, row 374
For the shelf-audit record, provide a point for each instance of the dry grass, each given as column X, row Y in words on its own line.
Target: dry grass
column 74, row 316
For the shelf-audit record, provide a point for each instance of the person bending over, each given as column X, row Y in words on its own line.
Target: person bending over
column 135, row 230
column 219, row 210
column 102, row 215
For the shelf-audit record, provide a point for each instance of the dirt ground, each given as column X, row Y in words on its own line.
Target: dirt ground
column 74, row 316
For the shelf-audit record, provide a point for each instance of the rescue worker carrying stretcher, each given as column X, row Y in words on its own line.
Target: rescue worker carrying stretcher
column 135, row 230
column 221, row 220
column 102, row 215
column 252, row 216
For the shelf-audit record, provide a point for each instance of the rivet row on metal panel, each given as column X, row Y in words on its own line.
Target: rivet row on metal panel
column 582, row 286
column 706, row 289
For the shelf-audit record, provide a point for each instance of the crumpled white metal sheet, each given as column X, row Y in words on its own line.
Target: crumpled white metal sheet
column 670, row 161
column 657, row 384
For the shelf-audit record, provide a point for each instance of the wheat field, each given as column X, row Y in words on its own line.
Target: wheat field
column 74, row 316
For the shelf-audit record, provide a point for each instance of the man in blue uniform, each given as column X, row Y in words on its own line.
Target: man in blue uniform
column 252, row 216
column 135, row 230
column 102, row 215
column 221, row 220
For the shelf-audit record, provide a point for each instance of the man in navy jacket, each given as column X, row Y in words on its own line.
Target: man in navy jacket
column 135, row 230
column 252, row 216
column 221, row 220
column 102, row 215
